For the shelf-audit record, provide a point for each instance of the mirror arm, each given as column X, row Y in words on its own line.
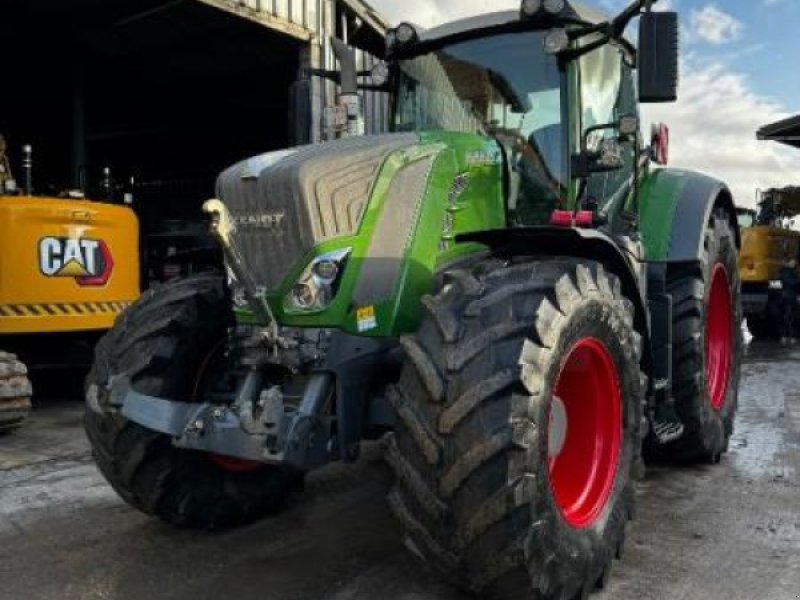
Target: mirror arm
column 621, row 21
column 592, row 129
column 368, row 87
column 334, row 76
column 637, row 150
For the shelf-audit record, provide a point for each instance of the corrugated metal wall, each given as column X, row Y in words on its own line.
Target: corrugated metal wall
column 314, row 22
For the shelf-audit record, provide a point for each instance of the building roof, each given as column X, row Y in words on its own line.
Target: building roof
column 786, row 132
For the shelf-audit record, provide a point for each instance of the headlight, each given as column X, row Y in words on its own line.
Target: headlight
column 317, row 286
column 776, row 284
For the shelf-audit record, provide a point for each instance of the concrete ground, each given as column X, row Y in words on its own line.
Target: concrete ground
column 730, row 532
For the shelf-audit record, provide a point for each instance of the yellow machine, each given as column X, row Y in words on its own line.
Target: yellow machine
column 769, row 241
column 68, row 268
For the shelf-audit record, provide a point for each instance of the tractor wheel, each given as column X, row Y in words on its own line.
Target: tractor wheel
column 165, row 344
column 519, row 411
column 707, row 345
column 15, row 392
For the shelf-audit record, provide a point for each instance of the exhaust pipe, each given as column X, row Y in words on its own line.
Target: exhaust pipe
column 27, row 169
column 349, row 96
column 108, row 184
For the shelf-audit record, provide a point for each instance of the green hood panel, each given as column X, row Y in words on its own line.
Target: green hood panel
column 423, row 196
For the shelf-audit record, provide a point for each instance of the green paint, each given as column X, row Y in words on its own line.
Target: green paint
column 659, row 194
column 432, row 243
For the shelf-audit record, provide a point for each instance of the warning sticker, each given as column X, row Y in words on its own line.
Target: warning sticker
column 366, row 318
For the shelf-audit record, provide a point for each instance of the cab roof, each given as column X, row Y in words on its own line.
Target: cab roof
column 788, row 198
column 497, row 19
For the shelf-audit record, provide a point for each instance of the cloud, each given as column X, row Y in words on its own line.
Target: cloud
column 713, row 129
column 715, row 26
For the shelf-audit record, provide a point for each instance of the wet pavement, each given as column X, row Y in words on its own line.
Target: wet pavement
column 730, row 532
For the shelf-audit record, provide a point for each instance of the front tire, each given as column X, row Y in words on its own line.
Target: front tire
column 707, row 345
column 15, row 392
column 519, row 428
column 162, row 344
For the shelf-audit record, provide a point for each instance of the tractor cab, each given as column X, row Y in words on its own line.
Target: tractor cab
column 552, row 86
column 779, row 207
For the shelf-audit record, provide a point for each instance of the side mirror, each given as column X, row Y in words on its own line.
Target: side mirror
column 601, row 155
column 658, row 57
column 659, row 144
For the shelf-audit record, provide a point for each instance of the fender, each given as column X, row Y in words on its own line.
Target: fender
column 676, row 206
column 588, row 244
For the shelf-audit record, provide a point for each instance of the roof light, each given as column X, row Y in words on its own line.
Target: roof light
column 405, row 33
column 379, row 74
column 531, row 7
column 554, row 7
column 556, row 41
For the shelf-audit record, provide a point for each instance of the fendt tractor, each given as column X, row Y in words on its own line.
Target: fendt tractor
column 68, row 268
column 769, row 242
column 504, row 290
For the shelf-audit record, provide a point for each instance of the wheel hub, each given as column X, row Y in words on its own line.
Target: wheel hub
column 585, row 433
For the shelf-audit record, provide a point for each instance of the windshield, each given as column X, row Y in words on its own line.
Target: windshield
column 503, row 86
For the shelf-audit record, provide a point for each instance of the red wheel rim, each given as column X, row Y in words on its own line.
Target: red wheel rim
column 235, row 465
column 585, row 433
column 719, row 337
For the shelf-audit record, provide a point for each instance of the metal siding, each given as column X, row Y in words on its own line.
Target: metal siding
column 314, row 21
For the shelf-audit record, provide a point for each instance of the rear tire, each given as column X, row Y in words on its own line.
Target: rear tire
column 15, row 392
column 706, row 395
column 486, row 460
column 161, row 343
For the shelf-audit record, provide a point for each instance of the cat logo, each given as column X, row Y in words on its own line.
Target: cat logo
column 87, row 261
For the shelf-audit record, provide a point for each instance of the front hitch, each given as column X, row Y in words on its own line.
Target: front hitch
column 270, row 432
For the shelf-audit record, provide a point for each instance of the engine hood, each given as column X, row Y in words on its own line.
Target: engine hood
column 285, row 203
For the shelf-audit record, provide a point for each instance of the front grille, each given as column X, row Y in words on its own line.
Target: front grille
column 286, row 203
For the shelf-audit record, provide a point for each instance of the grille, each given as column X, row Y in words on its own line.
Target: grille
column 288, row 202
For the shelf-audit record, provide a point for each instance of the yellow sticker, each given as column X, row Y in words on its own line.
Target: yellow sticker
column 365, row 317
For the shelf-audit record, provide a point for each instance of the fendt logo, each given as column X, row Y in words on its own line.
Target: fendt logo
column 87, row 261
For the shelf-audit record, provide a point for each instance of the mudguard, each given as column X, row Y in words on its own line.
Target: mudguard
column 675, row 209
column 588, row 244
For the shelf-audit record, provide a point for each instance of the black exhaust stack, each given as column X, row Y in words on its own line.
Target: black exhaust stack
column 27, row 169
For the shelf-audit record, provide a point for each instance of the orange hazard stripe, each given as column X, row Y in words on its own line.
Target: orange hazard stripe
column 58, row 310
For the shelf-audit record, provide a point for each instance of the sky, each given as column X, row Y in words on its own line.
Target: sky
column 738, row 72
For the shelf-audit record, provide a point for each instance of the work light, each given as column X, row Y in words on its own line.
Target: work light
column 554, row 7
column 531, row 7
column 556, row 41
column 379, row 74
column 405, row 33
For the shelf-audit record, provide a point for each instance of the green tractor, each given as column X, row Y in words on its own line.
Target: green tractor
column 504, row 290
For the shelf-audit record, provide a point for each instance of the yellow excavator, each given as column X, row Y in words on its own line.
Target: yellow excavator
column 68, row 268
column 770, row 239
